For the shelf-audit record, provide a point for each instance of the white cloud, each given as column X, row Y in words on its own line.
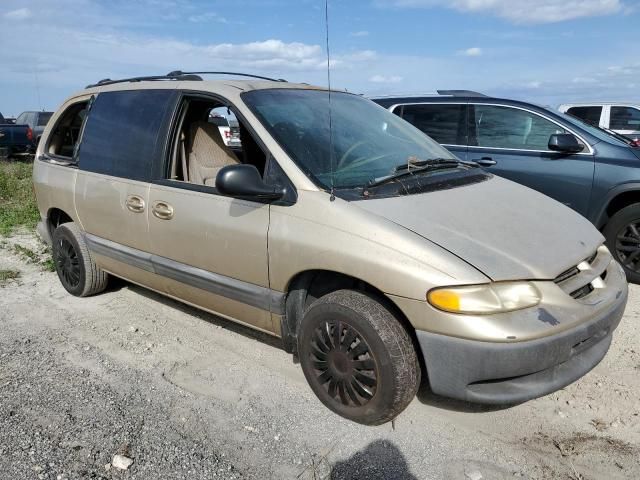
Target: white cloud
column 385, row 79
column 584, row 80
column 207, row 17
column 361, row 33
column 19, row 14
column 471, row 52
column 523, row 11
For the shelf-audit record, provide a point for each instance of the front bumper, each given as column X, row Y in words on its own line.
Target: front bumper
column 512, row 372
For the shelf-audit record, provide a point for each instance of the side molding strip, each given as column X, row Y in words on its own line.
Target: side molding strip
column 244, row 292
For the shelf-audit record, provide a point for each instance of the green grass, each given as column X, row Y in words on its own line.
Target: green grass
column 17, row 201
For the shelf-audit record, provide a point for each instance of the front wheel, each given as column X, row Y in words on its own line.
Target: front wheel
column 623, row 240
column 357, row 357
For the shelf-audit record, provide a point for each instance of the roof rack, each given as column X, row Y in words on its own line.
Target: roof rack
column 178, row 72
column 177, row 75
column 461, row 93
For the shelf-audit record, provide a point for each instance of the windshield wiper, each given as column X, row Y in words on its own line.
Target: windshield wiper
column 418, row 166
column 430, row 162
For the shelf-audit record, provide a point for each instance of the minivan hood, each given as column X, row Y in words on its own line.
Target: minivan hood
column 505, row 230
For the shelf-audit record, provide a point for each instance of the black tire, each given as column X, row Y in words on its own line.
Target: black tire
column 77, row 271
column 623, row 240
column 369, row 372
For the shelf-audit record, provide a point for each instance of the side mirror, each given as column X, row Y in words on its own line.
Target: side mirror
column 244, row 181
column 565, row 143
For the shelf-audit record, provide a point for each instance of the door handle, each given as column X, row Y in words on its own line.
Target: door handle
column 486, row 161
column 135, row 203
column 162, row 210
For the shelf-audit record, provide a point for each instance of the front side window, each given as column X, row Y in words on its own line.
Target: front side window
column 512, row 128
column 204, row 143
column 591, row 115
column 123, row 132
column 446, row 124
column 365, row 141
column 625, row 118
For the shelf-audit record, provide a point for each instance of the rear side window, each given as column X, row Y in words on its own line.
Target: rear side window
column 591, row 115
column 44, row 118
column 624, row 118
column 446, row 124
column 512, row 128
column 126, row 132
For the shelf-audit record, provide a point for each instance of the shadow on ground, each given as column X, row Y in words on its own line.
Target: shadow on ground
column 380, row 460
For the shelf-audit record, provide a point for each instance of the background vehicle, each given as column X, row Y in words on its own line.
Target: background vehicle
column 14, row 138
column 591, row 171
column 228, row 127
column 622, row 118
column 36, row 121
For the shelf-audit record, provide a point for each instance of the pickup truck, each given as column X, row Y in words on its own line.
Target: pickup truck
column 37, row 121
column 15, row 138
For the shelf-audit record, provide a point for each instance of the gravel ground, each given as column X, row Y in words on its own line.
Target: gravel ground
column 185, row 394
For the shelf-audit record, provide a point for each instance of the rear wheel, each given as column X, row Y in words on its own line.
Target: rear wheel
column 77, row 271
column 357, row 357
column 623, row 240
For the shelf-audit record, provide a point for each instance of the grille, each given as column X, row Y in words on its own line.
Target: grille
column 581, row 280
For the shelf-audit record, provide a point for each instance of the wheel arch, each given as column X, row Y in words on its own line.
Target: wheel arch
column 617, row 199
column 307, row 286
column 56, row 217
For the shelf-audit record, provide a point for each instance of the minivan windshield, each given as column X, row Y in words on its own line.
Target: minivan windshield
column 365, row 144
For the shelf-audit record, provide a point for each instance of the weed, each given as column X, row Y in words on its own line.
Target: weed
column 8, row 275
column 27, row 253
column 17, row 200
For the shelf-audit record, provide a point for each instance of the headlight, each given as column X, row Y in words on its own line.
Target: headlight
column 485, row 299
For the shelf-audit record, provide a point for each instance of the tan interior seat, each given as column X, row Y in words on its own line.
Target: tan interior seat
column 207, row 153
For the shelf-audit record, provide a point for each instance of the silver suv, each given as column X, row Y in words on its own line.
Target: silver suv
column 376, row 255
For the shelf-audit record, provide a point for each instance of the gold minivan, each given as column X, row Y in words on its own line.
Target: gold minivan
column 377, row 256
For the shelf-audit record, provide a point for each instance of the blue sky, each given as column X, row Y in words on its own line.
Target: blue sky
column 546, row 51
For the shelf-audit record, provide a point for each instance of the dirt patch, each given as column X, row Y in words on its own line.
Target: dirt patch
column 585, row 456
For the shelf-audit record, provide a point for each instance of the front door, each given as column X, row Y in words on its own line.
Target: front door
column 210, row 248
column 213, row 249
column 513, row 143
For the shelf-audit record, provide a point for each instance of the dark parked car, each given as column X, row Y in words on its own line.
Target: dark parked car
column 36, row 121
column 14, row 138
column 582, row 166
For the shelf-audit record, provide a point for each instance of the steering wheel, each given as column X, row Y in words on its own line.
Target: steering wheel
column 350, row 150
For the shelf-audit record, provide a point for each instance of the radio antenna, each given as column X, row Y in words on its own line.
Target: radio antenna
column 326, row 22
column 35, row 73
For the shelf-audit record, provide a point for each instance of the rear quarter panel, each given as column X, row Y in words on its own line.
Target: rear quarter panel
column 54, row 187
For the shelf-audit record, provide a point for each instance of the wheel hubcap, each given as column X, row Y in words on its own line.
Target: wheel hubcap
column 343, row 364
column 628, row 246
column 68, row 263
